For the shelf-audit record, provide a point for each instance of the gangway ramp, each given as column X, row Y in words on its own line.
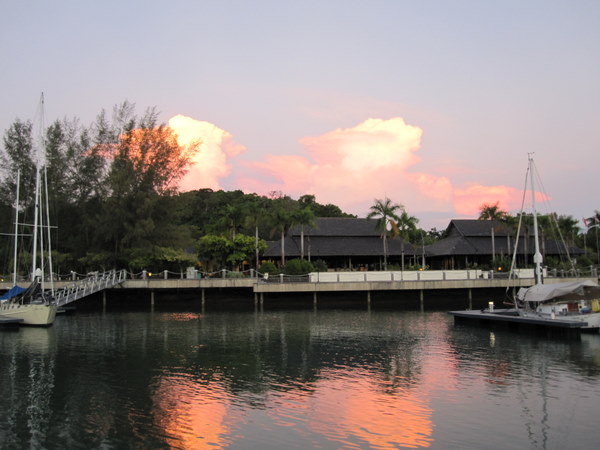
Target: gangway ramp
column 88, row 286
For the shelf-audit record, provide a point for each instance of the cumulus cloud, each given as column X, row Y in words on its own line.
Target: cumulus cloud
column 349, row 167
column 211, row 163
column 352, row 166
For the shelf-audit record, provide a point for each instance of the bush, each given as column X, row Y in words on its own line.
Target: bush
column 320, row 265
column 298, row 267
column 268, row 267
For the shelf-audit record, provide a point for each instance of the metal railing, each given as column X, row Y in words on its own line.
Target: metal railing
column 93, row 283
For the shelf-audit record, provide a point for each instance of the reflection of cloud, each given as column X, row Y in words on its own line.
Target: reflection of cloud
column 350, row 407
column 192, row 414
column 216, row 147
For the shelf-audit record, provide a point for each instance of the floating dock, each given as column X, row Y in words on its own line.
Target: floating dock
column 511, row 319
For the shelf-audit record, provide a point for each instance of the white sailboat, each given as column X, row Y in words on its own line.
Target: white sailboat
column 572, row 301
column 34, row 305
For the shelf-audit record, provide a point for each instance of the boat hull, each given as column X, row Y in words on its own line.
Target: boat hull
column 30, row 314
column 592, row 320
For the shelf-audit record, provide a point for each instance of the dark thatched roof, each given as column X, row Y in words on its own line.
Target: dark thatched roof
column 332, row 236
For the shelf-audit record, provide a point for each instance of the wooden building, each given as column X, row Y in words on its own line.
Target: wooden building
column 477, row 243
column 343, row 244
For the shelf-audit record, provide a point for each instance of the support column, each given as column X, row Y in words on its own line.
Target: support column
column 203, row 296
column 421, row 300
column 104, row 299
column 315, row 299
column 470, row 299
column 152, row 298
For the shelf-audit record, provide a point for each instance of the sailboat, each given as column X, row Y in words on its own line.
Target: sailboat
column 571, row 301
column 33, row 305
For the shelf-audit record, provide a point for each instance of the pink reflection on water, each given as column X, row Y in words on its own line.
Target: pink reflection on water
column 192, row 413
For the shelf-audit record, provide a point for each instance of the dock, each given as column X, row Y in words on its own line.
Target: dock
column 510, row 318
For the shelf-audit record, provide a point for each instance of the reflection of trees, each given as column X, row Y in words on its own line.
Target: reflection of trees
column 27, row 374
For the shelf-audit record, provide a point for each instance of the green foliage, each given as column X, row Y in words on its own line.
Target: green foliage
column 214, row 250
column 268, row 267
column 298, row 267
column 320, row 265
column 501, row 263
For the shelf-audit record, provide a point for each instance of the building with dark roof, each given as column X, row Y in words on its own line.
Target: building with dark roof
column 476, row 243
column 343, row 243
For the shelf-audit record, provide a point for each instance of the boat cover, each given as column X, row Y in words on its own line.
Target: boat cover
column 13, row 292
column 570, row 290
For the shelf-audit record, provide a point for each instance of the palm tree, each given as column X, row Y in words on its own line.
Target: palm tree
column 256, row 212
column 406, row 224
column 304, row 216
column 489, row 211
column 384, row 210
column 283, row 219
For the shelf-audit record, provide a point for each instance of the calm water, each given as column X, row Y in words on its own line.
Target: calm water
column 293, row 379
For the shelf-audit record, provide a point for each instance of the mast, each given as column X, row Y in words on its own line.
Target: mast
column 16, row 229
column 36, row 214
column 537, row 257
column 48, row 230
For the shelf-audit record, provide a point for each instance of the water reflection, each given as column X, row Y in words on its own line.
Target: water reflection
column 336, row 379
column 192, row 412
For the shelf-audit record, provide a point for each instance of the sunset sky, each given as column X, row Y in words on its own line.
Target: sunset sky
column 434, row 104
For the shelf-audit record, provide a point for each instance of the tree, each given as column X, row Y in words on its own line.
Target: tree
column 214, row 250
column 405, row 225
column 282, row 217
column 304, row 217
column 492, row 212
column 242, row 249
column 18, row 155
column 384, row 210
column 255, row 214
column 146, row 164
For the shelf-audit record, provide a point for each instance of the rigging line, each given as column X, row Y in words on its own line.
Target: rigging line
column 552, row 217
column 514, row 257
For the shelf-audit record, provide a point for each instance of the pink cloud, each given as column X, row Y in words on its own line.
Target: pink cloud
column 349, row 167
column 352, row 166
column 211, row 163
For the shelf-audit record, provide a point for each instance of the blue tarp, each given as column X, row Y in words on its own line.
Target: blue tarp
column 13, row 292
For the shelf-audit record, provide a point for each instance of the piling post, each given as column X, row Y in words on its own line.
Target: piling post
column 421, row 300
column 104, row 299
column 315, row 299
column 203, row 297
column 152, row 297
column 470, row 299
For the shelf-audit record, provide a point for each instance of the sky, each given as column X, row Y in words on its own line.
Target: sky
column 432, row 104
